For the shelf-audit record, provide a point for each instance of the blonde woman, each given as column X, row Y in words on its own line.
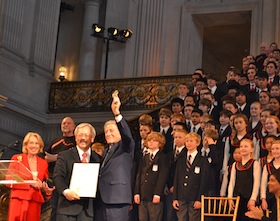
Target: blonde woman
column 26, row 199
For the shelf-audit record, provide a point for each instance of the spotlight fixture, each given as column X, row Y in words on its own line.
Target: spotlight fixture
column 97, row 30
column 113, row 31
column 127, row 33
column 62, row 72
column 113, row 34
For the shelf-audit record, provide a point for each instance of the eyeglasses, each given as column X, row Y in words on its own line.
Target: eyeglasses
column 83, row 135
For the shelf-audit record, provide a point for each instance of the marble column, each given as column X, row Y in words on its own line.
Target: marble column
column 277, row 25
column 149, row 35
column 269, row 21
column 88, row 43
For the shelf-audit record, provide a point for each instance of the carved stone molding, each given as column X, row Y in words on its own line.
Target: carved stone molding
column 91, row 96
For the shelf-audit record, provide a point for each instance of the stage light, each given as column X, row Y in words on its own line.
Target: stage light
column 97, row 30
column 127, row 33
column 113, row 34
column 113, row 31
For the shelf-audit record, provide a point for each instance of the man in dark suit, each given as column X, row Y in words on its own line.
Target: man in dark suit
column 114, row 185
column 70, row 205
column 271, row 69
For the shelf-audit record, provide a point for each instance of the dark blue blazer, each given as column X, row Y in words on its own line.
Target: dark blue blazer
column 115, row 176
column 191, row 185
column 152, row 176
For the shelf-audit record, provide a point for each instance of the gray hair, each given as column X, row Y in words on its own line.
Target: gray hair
column 82, row 125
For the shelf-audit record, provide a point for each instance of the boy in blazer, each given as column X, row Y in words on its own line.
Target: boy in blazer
column 190, row 181
column 164, row 127
column 151, row 179
column 179, row 150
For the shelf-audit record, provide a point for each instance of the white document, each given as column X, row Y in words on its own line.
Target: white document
column 84, row 179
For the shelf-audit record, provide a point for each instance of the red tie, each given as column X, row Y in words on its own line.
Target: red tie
column 252, row 87
column 84, row 155
column 270, row 82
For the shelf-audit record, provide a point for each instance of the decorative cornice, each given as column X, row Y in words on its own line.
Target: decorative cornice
column 93, row 96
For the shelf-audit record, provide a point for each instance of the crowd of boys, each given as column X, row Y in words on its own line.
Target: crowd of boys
column 195, row 128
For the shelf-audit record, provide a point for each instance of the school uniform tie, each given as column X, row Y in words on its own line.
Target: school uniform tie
column 189, row 163
column 252, row 87
column 270, row 81
column 84, row 159
column 221, row 131
column 193, row 129
column 177, row 152
column 152, row 157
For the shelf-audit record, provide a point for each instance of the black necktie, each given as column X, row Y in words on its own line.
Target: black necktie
column 177, row 152
column 106, row 156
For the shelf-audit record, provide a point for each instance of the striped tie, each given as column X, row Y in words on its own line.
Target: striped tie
column 189, row 163
column 177, row 152
column 151, row 157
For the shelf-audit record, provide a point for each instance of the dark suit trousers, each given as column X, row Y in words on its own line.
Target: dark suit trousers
column 110, row 212
column 83, row 216
column 187, row 212
column 149, row 211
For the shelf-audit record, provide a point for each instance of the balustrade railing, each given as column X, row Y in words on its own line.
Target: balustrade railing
column 94, row 96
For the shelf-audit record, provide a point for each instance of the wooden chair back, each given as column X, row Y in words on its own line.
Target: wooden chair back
column 219, row 207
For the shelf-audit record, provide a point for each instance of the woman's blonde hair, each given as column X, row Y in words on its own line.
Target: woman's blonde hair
column 27, row 138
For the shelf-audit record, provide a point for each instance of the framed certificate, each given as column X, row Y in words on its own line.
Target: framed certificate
column 84, row 179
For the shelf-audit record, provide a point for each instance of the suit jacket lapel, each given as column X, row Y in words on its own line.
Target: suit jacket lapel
column 110, row 153
column 93, row 157
column 75, row 155
column 155, row 160
column 195, row 161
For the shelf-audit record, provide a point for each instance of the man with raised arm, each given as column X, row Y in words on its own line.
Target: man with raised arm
column 114, row 186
